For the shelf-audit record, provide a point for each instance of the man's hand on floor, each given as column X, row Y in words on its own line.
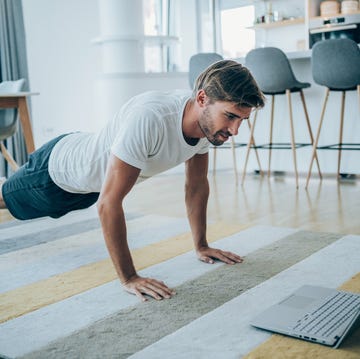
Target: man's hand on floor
column 208, row 254
column 143, row 287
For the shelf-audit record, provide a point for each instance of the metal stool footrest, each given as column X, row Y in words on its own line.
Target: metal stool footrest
column 341, row 146
column 281, row 145
column 229, row 145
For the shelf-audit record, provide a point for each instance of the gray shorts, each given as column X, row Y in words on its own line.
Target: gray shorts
column 31, row 193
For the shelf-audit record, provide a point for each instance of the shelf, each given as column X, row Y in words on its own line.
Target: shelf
column 335, row 15
column 276, row 24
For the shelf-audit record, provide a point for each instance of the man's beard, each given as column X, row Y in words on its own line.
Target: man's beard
column 205, row 123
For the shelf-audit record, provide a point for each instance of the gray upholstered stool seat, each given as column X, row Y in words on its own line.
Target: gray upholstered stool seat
column 199, row 62
column 274, row 75
column 273, row 71
column 335, row 65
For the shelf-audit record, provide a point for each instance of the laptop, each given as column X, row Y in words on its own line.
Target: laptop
column 312, row 313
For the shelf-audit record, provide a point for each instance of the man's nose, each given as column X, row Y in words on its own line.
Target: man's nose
column 234, row 128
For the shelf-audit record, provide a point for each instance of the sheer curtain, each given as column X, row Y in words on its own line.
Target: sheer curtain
column 13, row 65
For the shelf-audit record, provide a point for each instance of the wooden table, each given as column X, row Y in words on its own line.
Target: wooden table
column 19, row 100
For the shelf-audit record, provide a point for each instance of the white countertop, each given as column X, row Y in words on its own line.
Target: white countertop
column 292, row 55
column 304, row 54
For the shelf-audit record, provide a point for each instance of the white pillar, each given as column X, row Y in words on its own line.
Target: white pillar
column 121, row 44
column 121, row 36
column 121, row 49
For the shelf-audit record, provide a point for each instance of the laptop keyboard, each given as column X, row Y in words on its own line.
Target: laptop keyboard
column 327, row 318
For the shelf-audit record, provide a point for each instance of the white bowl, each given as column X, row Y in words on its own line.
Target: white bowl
column 329, row 8
column 349, row 6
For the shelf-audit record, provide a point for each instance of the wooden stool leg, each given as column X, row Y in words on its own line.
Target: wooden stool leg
column 8, row 157
column 271, row 131
column 214, row 162
column 327, row 91
column 288, row 94
column 341, row 131
column 234, row 157
column 254, row 145
column 309, row 128
column 250, row 142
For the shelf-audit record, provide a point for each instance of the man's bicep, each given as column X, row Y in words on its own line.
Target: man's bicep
column 197, row 167
column 120, row 178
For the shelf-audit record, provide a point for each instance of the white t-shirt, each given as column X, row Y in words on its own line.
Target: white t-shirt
column 146, row 133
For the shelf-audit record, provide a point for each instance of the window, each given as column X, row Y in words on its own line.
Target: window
column 211, row 25
column 159, row 38
column 169, row 39
column 236, row 38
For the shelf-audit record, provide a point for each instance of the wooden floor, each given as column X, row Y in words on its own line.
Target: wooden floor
column 327, row 205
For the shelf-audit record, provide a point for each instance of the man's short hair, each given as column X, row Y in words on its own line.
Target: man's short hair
column 228, row 80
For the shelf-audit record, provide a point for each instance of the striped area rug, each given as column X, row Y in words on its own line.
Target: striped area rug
column 60, row 298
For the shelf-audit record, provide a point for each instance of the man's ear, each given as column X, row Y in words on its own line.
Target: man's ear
column 201, row 98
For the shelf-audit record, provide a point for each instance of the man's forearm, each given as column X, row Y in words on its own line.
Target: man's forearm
column 196, row 198
column 114, row 230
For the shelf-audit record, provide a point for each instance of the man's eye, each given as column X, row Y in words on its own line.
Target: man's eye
column 231, row 117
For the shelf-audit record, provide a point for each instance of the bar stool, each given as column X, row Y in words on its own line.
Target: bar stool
column 197, row 64
column 335, row 65
column 274, row 75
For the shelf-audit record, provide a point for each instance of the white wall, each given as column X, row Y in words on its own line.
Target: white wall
column 63, row 65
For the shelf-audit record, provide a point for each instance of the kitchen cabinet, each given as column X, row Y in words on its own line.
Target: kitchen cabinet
column 296, row 13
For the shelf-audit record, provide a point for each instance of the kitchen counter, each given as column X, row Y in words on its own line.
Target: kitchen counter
column 293, row 55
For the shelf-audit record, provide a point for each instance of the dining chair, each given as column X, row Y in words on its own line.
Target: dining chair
column 9, row 120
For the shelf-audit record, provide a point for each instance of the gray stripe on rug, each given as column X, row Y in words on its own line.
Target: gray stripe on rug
column 52, row 234
column 17, row 222
column 48, row 235
column 135, row 328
